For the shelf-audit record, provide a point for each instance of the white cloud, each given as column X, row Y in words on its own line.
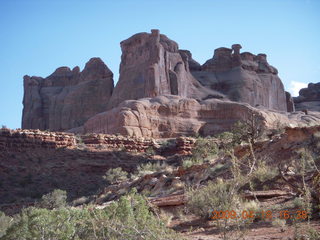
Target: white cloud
column 295, row 87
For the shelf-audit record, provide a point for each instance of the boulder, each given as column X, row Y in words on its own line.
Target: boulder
column 152, row 65
column 309, row 98
column 67, row 98
column 243, row 77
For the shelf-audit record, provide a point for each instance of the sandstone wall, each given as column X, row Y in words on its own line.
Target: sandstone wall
column 34, row 139
column 171, row 116
column 151, row 65
column 118, row 142
column 21, row 140
column 67, row 98
column 243, row 77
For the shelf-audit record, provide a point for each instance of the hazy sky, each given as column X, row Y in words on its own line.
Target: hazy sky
column 38, row 36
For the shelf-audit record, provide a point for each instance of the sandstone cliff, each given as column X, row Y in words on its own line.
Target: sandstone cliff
column 162, row 91
column 309, row 98
column 152, row 65
column 243, row 77
column 171, row 116
column 66, row 98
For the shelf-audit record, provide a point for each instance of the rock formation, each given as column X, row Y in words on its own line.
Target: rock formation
column 309, row 98
column 162, row 92
column 171, row 116
column 290, row 103
column 243, row 77
column 66, row 98
column 152, row 65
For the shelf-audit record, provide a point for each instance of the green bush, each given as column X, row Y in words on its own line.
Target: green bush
column 115, row 175
column 204, row 150
column 218, row 196
column 5, row 223
column 281, row 223
column 149, row 168
column 128, row 218
column 55, row 199
column 189, row 162
column 264, row 172
column 312, row 233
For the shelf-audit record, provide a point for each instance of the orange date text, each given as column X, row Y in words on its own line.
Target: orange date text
column 268, row 214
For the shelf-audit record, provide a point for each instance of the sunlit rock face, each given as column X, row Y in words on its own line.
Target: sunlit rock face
column 171, row 116
column 243, row 77
column 152, row 65
column 66, row 98
column 162, row 92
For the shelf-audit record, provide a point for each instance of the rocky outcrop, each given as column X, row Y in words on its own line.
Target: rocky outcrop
column 171, row 116
column 243, row 77
column 162, row 92
column 290, row 102
column 34, row 162
column 22, row 140
column 152, row 65
column 34, row 139
column 309, row 98
column 66, row 98
column 106, row 141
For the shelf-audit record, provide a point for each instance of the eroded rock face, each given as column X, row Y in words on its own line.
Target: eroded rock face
column 290, row 103
column 151, row 65
column 171, row 116
column 243, row 77
column 309, row 98
column 66, row 98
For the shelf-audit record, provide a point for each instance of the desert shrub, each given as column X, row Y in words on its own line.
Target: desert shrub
column 167, row 144
column 264, row 172
column 252, row 206
column 128, row 218
column 248, row 130
column 312, row 233
column 204, row 148
column 150, row 167
column 226, row 140
column 298, row 202
column 218, row 168
column 281, row 223
column 55, row 199
column 189, row 162
column 304, row 166
column 5, row 223
column 150, row 151
column 220, row 196
column 41, row 223
column 114, row 175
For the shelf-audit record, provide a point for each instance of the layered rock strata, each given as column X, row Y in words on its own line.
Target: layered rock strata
column 22, row 140
column 28, row 139
column 66, row 98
